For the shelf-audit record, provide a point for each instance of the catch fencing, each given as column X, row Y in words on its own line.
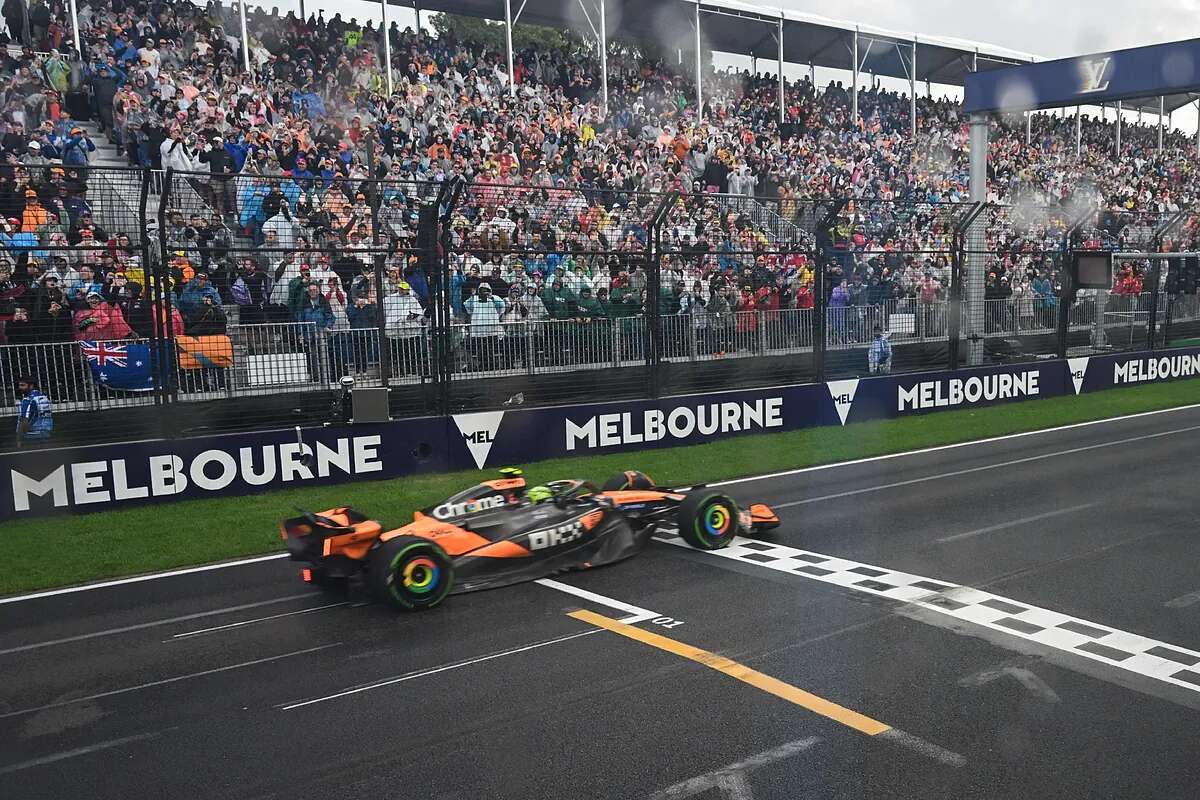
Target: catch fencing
column 463, row 297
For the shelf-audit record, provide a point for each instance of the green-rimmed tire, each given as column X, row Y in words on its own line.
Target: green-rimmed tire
column 629, row 479
column 411, row 573
column 708, row 520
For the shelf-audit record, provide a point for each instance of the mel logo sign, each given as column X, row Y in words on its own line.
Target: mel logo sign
column 1078, row 369
column 479, row 432
column 843, row 393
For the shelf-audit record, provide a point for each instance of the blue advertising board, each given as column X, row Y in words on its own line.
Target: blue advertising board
column 1139, row 72
column 105, row 477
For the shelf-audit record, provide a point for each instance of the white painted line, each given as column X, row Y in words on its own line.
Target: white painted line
column 1014, row 523
column 749, row 479
column 1022, row 675
column 79, row 751
column 1189, row 599
column 410, row 676
column 735, row 786
column 986, row 467
column 254, row 621
column 635, row 613
column 955, row 446
column 166, row 681
column 721, row 777
column 156, row 623
column 1120, row 650
column 152, row 576
column 919, row 745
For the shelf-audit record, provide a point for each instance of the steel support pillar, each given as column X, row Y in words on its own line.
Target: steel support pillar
column 245, row 37
column 1161, row 104
column 912, row 88
column 1119, row 121
column 779, row 37
column 1078, row 131
column 854, row 88
column 387, row 49
column 603, row 60
column 75, row 29
column 976, row 255
column 512, row 83
column 699, row 87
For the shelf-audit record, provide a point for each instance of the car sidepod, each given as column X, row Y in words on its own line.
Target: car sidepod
column 548, row 541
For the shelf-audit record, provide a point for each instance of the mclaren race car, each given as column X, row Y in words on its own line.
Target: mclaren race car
column 501, row 532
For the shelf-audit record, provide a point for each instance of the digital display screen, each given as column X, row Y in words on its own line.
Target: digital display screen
column 1093, row 270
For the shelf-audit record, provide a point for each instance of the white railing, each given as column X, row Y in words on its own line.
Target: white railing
column 297, row 356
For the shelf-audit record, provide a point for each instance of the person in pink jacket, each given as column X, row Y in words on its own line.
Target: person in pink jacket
column 100, row 321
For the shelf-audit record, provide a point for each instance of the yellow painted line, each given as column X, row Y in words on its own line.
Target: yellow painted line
column 818, row 705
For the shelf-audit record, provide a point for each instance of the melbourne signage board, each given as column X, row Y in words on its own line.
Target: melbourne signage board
column 113, row 476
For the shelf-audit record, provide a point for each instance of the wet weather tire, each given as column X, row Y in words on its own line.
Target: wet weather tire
column 411, row 573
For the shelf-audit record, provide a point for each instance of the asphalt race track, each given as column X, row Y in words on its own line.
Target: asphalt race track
column 1014, row 619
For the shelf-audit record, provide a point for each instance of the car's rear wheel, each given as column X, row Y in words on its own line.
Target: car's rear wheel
column 708, row 520
column 629, row 479
column 411, row 573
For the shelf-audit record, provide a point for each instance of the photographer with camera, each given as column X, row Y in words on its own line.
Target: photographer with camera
column 194, row 294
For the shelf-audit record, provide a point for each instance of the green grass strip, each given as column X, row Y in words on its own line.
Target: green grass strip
column 63, row 550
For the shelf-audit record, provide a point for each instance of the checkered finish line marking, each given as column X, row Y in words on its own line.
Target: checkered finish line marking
column 1143, row 656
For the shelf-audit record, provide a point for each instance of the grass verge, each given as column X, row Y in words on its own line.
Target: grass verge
column 58, row 551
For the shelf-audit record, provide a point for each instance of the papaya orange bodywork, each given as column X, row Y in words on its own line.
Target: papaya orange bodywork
column 504, row 549
column 451, row 538
column 760, row 512
column 623, row 496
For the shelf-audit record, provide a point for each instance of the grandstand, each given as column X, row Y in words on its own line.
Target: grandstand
column 257, row 211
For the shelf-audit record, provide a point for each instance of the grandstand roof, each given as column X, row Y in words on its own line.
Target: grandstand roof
column 741, row 28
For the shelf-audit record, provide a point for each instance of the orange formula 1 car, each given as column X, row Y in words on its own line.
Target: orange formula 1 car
column 502, row 532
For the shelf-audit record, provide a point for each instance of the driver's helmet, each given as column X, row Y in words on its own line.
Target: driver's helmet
column 539, row 494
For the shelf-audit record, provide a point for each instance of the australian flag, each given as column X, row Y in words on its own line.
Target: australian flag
column 118, row 366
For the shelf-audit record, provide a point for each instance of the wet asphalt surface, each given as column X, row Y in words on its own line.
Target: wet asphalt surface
column 242, row 682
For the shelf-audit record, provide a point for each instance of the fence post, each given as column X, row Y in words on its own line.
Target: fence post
column 654, row 337
column 385, row 364
column 762, row 332
column 614, row 357
column 164, row 329
column 1152, row 316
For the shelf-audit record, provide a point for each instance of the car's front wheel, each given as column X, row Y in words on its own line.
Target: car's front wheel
column 411, row 573
column 708, row 520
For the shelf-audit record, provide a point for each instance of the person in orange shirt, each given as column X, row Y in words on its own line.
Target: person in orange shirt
column 439, row 149
column 35, row 215
column 680, row 146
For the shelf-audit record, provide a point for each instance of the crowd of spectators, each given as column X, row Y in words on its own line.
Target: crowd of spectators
column 554, row 224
